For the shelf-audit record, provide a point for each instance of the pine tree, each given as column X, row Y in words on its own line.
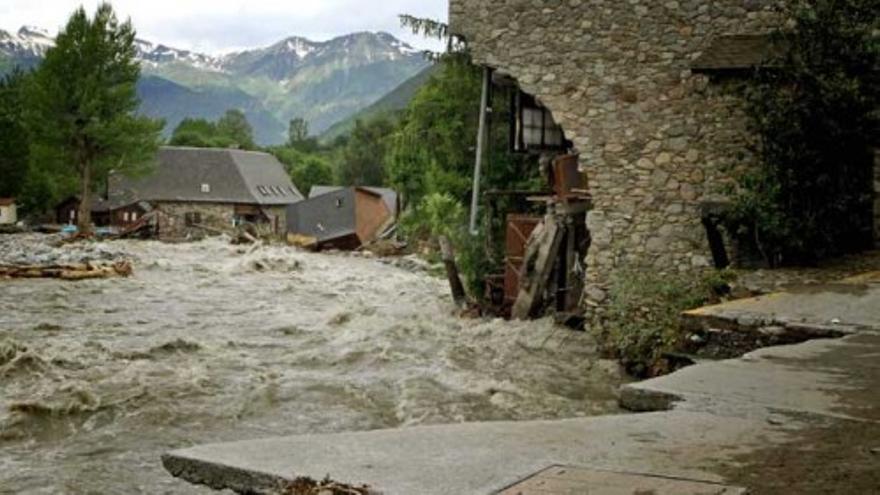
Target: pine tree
column 82, row 101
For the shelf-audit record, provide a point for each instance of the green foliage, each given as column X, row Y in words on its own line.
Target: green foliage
column 643, row 320
column 305, row 169
column 440, row 214
column 199, row 133
column 364, row 155
column 433, row 148
column 13, row 135
column 431, row 156
column 230, row 131
column 435, row 215
column 298, row 137
column 814, row 110
column 234, row 125
column 81, row 105
column 297, row 132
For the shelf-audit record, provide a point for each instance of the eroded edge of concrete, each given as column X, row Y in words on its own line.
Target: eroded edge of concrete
column 220, row 476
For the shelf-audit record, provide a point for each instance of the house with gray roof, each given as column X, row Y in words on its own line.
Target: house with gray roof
column 389, row 196
column 342, row 217
column 194, row 188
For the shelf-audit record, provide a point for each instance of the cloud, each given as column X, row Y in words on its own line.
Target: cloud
column 215, row 26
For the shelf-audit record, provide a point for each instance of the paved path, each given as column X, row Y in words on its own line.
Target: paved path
column 702, row 415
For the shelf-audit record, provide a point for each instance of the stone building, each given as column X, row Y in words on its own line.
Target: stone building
column 192, row 188
column 638, row 87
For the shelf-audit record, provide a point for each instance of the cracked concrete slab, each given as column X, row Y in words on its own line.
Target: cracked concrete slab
column 831, row 377
column 817, row 310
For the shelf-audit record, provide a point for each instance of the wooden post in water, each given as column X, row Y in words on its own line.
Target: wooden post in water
column 448, row 255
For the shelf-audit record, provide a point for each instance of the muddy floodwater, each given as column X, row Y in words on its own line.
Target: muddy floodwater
column 208, row 342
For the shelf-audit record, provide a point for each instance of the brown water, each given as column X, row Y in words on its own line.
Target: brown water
column 207, row 343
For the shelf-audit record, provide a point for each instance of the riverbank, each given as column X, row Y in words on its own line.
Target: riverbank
column 717, row 422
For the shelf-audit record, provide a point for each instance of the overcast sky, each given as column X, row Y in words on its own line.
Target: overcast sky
column 216, row 26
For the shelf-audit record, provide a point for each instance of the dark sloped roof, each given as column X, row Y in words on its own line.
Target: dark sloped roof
column 325, row 217
column 737, row 52
column 228, row 176
column 389, row 196
column 7, row 201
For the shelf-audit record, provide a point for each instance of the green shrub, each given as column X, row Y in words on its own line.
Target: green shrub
column 440, row 214
column 643, row 320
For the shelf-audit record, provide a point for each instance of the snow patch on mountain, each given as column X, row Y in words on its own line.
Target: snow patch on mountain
column 33, row 42
column 301, row 47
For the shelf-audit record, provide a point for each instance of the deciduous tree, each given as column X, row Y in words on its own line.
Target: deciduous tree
column 234, row 125
column 82, row 101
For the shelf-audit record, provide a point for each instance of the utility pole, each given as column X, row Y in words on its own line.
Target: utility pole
column 481, row 146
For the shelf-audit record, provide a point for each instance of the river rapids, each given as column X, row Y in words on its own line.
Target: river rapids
column 209, row 342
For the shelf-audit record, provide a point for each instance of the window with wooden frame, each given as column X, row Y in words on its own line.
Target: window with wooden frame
column 533, row 128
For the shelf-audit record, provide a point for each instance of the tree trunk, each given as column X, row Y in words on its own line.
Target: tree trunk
column 84, row 218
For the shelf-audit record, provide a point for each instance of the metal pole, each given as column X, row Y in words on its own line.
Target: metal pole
column 481, row 144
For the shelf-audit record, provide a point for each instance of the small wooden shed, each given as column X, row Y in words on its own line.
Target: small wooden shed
column 8, row 211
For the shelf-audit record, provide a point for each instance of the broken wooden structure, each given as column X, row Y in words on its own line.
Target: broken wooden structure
column 543, row 253
column 73, row 271
column 546, row 236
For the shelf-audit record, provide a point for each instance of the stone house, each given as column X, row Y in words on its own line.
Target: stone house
column 639, row 89
column 192, row 188
column 8, row 211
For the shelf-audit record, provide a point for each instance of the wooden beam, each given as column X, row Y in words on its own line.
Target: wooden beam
column 448, row 255
column 541, row 255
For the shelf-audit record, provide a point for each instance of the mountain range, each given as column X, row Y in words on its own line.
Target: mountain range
column 323, row 82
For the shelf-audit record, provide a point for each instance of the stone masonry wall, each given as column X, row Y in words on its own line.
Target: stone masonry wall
column 220, row 216
column 655, row 139
column 172, row 223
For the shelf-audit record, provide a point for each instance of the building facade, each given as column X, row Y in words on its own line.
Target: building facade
column 656, row 138
column 342, row 217
column 184, row 219
column 194, row 190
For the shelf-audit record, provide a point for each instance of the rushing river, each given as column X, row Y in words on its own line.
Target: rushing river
column 208, row 342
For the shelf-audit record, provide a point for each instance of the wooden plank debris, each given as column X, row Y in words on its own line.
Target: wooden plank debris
column 538, row 267
column 81, row 271
column 455, row 284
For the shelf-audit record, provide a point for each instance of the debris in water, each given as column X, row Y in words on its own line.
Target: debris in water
column 340, row 319
column 308, row 486
column 68, row 272
column 48, row 327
